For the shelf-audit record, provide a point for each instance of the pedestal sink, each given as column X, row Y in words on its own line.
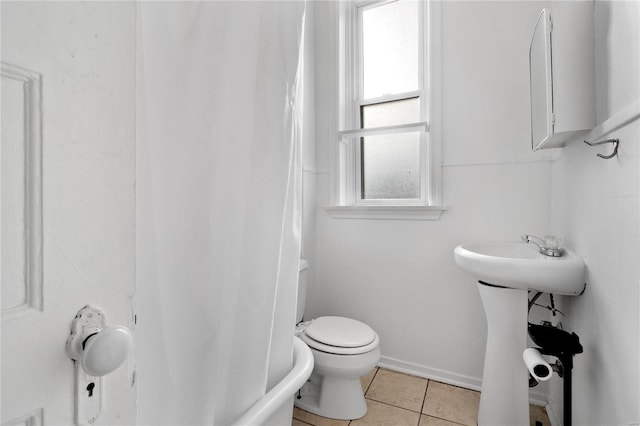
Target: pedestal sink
column 505, row 272
column 521, row 266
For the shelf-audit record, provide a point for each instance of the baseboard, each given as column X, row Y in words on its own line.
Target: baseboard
column 419, row 370
column 537, row 398
column 448, row 377
column 553, row 413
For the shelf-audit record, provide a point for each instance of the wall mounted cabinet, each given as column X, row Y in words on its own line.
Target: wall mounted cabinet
column 562, row 75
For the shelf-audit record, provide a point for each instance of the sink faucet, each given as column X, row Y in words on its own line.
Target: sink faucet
column 549, row 246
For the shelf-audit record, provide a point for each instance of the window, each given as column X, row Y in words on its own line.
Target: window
column 388, row 152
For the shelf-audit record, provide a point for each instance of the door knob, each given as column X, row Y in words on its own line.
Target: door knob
column 98, row 348
column 106, row 351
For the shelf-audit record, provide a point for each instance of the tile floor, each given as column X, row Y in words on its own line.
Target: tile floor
column 397, row 399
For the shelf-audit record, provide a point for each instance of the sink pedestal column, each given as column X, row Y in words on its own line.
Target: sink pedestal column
column 505, row 381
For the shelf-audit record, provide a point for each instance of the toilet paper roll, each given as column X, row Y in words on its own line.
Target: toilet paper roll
column 538, row 367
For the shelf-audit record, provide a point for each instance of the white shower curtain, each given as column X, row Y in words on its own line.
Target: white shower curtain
column 219, row 187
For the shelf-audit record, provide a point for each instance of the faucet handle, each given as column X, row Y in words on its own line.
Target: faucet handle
column 552, row 242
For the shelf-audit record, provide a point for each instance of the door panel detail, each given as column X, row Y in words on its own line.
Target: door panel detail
column 21, row 189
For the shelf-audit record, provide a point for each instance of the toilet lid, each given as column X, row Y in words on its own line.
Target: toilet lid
column 340, row 332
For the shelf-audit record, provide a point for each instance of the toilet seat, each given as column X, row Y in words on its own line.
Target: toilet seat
column 339, row 335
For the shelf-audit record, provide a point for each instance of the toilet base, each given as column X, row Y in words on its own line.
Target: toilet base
column 332, row 397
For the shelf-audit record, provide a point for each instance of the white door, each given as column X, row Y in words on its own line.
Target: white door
column 67, row 200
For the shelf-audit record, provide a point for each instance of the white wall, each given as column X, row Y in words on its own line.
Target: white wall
column 596, row 208
column 400, row 276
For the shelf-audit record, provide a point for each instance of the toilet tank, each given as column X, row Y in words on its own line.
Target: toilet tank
column 302, row 289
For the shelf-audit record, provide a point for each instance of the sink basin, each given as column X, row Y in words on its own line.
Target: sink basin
column 521, row 266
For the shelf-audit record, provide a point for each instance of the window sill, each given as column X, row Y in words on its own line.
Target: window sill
column 396, row 212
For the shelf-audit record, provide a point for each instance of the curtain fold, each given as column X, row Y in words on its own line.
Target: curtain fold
column 219, row 184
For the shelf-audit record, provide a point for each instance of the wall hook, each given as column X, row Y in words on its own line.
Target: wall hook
column 615, row 143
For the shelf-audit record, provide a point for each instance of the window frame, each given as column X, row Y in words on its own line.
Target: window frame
column 347, row 168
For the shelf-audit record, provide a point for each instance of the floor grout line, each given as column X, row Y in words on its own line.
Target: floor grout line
column 372, row 379
column 446, row 420
column 394, row 406
column 424, row 399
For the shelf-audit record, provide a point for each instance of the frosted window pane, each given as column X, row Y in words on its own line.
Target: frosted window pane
column 391, row 113
column 391, row 166
column 390, row 48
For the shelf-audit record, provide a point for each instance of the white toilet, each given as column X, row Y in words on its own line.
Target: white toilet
column 343, row 351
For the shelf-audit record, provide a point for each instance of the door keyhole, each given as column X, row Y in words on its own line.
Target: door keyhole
column 90, row 387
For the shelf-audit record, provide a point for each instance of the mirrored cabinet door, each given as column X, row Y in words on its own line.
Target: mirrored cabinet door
column 541, row 82
column 562, row 74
